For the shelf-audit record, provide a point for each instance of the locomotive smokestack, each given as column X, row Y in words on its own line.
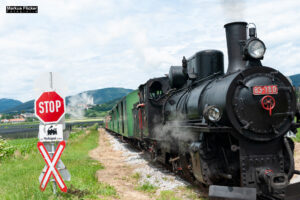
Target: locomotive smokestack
column 235, row 33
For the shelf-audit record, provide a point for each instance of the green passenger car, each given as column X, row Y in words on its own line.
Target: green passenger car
column 131, row 100
column 121, row 118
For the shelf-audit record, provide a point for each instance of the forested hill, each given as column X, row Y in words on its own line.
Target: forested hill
column 104, row 95
column 8, row 103
column 296, row 80
column 99, row 96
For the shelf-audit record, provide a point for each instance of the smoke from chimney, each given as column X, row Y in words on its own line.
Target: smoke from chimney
column 234, row 10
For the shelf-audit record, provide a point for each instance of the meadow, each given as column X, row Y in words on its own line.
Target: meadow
column 21, row 165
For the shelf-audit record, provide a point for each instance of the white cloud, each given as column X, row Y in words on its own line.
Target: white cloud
column 94, row 44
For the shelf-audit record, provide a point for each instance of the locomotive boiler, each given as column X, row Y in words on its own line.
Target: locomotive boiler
column 227, row 130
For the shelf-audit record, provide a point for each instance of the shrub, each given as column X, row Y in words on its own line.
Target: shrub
column 94, row 127
column 5, row 149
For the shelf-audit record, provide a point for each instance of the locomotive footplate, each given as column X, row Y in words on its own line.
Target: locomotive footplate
column 237, row 193
column 242, row 193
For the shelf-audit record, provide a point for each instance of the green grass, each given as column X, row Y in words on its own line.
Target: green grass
column 188, row 192
column 84, row 119
column 20, row 123
column 19, row 175
column 297, row 139
column 136, row 176
column 179, row 193
column 147, row 187
column 168, row 195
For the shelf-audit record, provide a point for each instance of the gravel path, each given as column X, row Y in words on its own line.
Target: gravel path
column 152, row 173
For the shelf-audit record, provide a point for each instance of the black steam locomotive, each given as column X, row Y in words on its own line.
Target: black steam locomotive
column 225, row 130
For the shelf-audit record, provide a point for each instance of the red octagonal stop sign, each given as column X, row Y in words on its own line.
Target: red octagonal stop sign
column 49, row 107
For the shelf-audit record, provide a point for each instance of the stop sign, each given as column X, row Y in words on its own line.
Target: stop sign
column 49, row 107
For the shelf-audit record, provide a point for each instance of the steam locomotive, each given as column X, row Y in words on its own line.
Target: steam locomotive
column 229, row 131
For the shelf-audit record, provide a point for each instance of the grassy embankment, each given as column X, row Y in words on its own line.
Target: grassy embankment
column 297, row 139
column 6, row 125
column 22, row 164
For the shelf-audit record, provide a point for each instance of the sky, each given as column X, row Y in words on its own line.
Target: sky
column 93, row 44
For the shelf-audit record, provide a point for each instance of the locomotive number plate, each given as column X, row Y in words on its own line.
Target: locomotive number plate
column 266, row 89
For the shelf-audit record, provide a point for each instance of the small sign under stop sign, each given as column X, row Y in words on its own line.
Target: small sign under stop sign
column 51, row 133
column 49, row 107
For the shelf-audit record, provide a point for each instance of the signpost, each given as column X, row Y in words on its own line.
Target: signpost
column 50, row 108
column 51, row 163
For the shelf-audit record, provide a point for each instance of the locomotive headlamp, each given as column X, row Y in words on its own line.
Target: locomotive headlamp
column 212, row 113
column 256, row 48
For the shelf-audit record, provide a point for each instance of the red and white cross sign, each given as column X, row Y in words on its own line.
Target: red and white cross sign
column 51, row 163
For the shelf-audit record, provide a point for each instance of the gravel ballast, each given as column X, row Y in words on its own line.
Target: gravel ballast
column 150, row 173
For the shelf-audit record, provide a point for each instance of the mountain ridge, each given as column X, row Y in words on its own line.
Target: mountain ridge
column 295, row 79
column 99, row 96
column 8, row 103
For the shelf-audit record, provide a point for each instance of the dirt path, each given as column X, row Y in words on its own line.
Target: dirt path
column 116, row 173
column 296, row 178
column 297, row 161
column 297, row 155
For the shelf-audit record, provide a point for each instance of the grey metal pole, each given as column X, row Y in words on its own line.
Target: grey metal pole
column 54, row 187
column 51, row 80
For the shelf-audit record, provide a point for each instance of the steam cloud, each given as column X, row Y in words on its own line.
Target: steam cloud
column 78, row 104
column 233, row 10
column 171, row 132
